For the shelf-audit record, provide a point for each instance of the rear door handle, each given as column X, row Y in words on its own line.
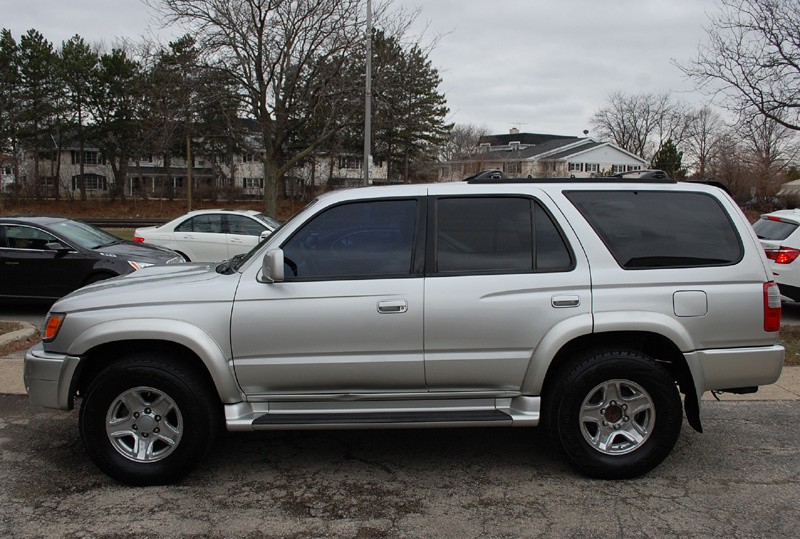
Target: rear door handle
column 393, row 306
column 561, row 302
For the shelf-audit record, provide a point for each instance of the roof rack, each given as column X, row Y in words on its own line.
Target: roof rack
column 643, row 176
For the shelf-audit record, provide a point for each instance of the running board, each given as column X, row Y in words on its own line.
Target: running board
column 382, row 419
column 388, row 414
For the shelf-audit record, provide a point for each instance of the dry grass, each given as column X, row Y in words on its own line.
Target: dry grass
column 790, row 338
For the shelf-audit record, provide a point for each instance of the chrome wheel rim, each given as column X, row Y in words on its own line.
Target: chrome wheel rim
column 144, row 424
column 617, row 417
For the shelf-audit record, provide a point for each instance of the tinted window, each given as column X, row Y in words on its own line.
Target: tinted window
column 209, row 223
column 25, row 237
column 361, row 239
column 767, row 229
column 243, row 226
column 504, row 234
column 651, row 229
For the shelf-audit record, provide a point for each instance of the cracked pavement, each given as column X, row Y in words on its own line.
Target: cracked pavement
column 738, row 479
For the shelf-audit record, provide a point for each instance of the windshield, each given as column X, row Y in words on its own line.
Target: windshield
column 271, row 223
column 84, row 235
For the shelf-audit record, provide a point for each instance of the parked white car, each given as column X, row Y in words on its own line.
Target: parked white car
column 779, row 233
column 210, row 235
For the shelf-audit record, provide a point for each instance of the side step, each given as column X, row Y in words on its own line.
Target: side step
column 388, row 419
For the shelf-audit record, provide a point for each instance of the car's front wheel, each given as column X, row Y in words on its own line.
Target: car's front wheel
column 616, row 414
column 148, row 420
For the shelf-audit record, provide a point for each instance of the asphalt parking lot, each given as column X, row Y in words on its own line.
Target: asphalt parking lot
column 738, row 479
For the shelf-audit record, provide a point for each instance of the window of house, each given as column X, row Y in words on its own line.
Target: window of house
column 497, row 235
column 355, row 240
column 91, row 182
column 89, row 158
column 252, row 183
column 591, row 167
column 351, row 162
column 633, row 167
column 248, row 158
column 576, row 167
column 514, row 167
column 616, row 169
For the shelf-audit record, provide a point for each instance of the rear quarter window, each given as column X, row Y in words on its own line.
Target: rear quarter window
column 661, row 229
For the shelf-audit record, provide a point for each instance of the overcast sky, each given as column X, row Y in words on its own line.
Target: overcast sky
column 543, row 66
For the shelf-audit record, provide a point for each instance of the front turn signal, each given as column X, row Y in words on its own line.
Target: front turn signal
column 52, row 325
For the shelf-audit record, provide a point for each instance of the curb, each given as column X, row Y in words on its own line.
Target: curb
column 27, row 330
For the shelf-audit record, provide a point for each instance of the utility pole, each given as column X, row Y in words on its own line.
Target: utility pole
column 189, row 172
column 368, row 99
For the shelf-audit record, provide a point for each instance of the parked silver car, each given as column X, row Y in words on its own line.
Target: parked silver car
column 586, row 306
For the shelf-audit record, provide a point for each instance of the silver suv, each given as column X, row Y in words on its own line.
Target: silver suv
column 586, row 306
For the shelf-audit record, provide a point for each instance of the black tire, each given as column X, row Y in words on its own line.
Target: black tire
column 148, row 420
column 616, row 414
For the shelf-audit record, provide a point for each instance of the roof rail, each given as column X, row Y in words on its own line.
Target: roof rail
column 646, row 174
column 491, row 174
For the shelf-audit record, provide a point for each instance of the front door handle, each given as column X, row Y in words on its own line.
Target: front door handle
column 392, row 307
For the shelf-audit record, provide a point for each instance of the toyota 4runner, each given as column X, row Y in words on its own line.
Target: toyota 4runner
column 588, row 306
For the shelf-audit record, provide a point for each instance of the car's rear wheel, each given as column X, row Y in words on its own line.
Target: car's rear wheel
column 148, row 420
column 616, row 414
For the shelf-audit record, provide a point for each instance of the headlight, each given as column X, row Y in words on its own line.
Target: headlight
column 138, row 265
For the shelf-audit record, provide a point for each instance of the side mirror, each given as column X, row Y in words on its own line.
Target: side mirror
column 264, row 235
column 272, row 267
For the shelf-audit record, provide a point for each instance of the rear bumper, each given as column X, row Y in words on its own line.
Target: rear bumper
column 48, row 378
column 735, row 367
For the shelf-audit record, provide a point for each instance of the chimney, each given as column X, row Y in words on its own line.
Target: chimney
column 513, row 131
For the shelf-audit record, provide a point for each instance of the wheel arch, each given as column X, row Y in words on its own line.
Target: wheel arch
column 101, row 344
column 653, row 344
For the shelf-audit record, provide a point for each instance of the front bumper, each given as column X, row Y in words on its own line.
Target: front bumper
column 49, row 377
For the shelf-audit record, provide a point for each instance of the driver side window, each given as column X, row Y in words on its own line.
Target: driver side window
column 357, row 240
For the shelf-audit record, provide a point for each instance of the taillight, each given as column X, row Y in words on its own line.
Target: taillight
column 138, row 239
column 783, row 255
column 772, row 307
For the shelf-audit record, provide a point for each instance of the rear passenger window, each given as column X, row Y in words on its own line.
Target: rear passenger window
column 656, row 229
column 497, row 234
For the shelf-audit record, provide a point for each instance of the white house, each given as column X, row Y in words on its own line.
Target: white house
column 543, row 155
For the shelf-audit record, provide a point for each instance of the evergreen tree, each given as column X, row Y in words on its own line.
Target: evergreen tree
column 9, row 99
column 668, row 159
column 78, row 73
column 115, row 103
column 38, row 111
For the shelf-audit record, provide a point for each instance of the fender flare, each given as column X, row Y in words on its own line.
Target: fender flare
column 206, row 348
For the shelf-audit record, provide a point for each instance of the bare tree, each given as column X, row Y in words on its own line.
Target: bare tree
column 752, row 58
column 770, row 148
column 286, row 56
column 462, row 141
column 703, row 140
column 641, row 123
